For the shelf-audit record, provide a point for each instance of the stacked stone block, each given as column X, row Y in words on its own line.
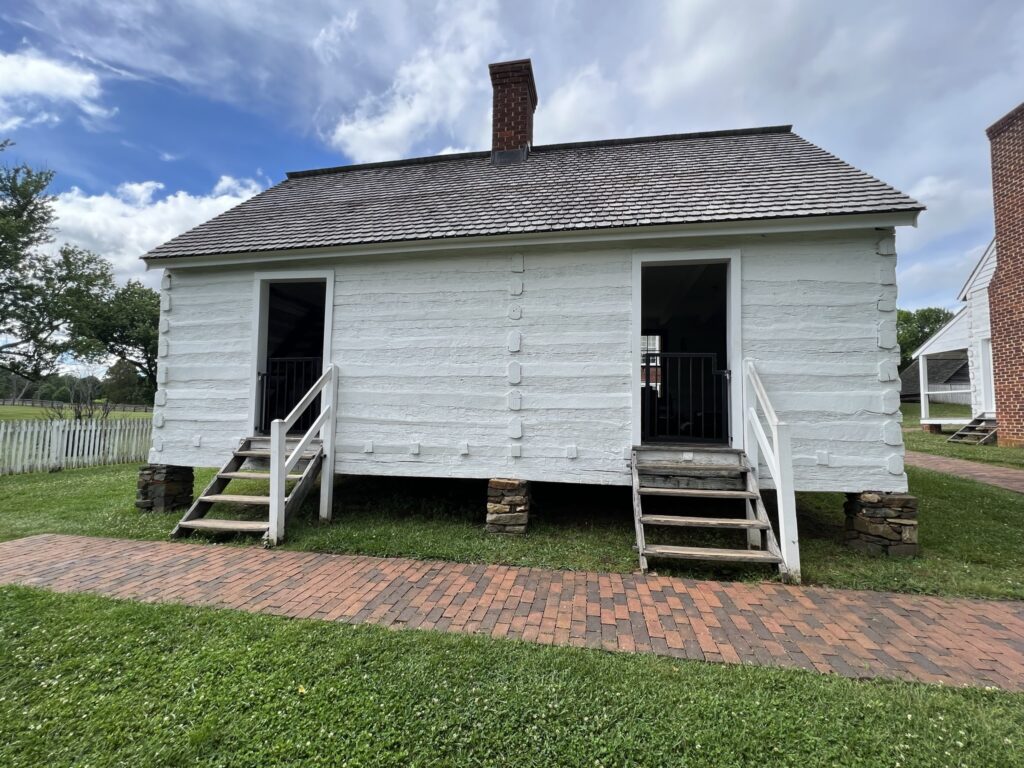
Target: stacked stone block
column 508, row 506
column 164, row 487
column 879, row 523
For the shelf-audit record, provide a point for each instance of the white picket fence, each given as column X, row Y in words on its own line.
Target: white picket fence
column 45, row 446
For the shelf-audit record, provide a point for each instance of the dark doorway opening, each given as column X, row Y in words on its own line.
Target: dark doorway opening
column 294, row 351
column 684, row 374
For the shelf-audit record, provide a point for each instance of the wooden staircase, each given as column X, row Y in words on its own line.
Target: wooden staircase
column 248, row 463
column 693, row 474
column 980, row 431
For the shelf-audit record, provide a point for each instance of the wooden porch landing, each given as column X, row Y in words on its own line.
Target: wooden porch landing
column 849, row 633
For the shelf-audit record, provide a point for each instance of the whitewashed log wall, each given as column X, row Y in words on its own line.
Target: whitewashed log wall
column 204, row 365
column 979, row 327
column 819, row 320
column 45, row 446
column 491, row 366
column 485, row 366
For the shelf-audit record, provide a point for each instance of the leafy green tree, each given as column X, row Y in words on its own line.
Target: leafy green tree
column 914, row 328
column 41, row 296
column 124, row 384
column 121, row 323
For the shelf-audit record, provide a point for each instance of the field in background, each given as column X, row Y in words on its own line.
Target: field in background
column 17, row 412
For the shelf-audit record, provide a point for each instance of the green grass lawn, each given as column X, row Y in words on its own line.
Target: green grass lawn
column 18, row 412
column 971, row 534
column 916, row 440
column 912, row 412
column 91, row 681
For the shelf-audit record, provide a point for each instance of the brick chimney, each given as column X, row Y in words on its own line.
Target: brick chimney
column 1006, row 291
column 515, row 99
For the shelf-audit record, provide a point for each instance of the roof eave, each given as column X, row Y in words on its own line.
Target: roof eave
column 875, row 220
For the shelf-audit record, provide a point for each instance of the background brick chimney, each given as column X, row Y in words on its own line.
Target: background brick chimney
column 515, row 99
column 1006, row 291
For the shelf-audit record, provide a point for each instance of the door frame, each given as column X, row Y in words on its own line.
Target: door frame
column 733, row 331
column 261, row 318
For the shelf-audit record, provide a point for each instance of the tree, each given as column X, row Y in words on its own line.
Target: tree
column 121, row 323
column 81, row 401
column 123, row 384
column 914, row 328
column 41, row 296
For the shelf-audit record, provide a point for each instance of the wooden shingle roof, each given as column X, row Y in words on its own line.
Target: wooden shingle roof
column 726, row 176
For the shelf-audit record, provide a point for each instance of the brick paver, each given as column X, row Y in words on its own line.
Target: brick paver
column 1004, row 477
column 850, row 633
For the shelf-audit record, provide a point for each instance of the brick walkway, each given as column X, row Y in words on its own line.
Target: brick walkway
column 855, row 634
column 1004, row 477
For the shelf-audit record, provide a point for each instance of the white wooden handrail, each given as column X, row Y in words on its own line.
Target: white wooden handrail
column 282, row 462
column 307, row 399
column 778, row 457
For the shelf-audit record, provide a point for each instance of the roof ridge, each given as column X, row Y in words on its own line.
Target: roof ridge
column 427, row 159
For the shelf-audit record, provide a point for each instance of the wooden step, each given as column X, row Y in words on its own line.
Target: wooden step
column 703, row 522
column 240, row 526
column 691, row 447
column 698, row 455
column 251, row 476
column 710, row 553
column 259, row 443
column 230, row 498
column 258, row 454
column 697, row 493
column 688, row 468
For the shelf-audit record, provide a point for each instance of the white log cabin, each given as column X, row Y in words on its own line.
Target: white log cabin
column 968, row 332
column 695, row 315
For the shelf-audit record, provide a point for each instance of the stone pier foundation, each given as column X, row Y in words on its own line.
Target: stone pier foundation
column 508, row 506
column 880, row 523
column 164, row 487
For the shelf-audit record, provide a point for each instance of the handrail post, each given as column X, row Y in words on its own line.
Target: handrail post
column 785, row 492
column 278, row 436
column 327, row 441
column 749, row 413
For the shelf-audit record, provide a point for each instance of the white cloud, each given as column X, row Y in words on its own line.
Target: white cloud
column 32, row 86
column 136, row 217
column 586, row 106
column 431, row 93
column 953, row 205
column 332, row 41
column 902, row 90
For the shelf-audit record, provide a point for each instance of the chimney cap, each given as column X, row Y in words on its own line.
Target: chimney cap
column 522, row 68
column 1007, row 120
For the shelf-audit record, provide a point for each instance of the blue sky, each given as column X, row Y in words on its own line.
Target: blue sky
column 157, row 116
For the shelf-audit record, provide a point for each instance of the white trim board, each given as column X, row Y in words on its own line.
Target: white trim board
column 618, row 235
column 734, row 327
column 261, row 285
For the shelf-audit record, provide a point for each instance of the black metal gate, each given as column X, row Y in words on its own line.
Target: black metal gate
column 684, row 398
column 286, row 380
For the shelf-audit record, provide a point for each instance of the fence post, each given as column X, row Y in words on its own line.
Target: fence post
column 41, row 446
column 56, row 445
